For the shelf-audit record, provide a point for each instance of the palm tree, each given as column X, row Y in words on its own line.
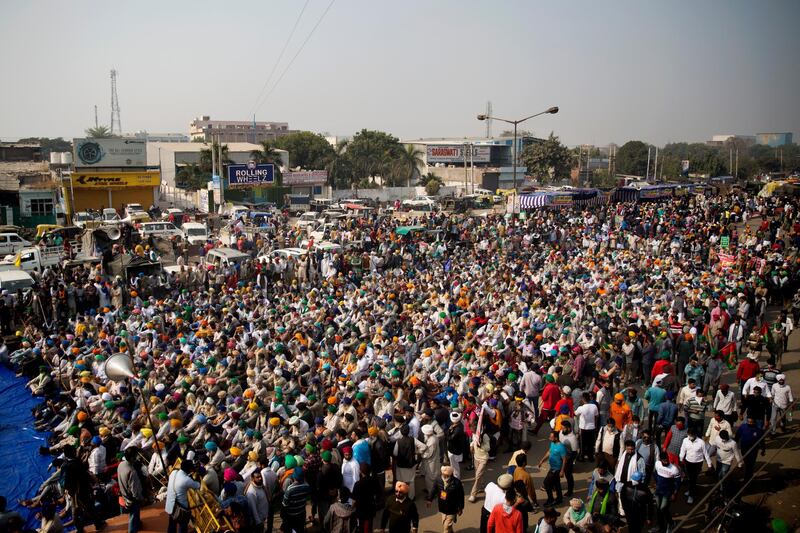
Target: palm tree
column 270, row 155
column 339, row 167
column 191, row 178
column 409, row 161
column 99, row 132
column 431, row 182
column 206, row 158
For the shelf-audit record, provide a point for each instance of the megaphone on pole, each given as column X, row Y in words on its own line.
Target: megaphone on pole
column 118, row 367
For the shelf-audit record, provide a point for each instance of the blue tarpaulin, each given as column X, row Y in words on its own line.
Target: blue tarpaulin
column 23, row 468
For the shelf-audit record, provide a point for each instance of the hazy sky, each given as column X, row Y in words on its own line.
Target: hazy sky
column 619, row 70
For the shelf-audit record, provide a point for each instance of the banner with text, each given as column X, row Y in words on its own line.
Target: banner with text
column 250, row 175
column 311, row 177
column 454, row 153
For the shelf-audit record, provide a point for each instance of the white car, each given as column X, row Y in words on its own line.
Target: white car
column 195, row 232
column 133, row 209
column 309, row 218
column 110, row 215
column 419, row 203
column 11, row 242
column 81, row 218
column 165, row 230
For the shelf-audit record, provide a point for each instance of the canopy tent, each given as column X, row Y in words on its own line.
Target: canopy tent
column 565, row 198
column 405, row 230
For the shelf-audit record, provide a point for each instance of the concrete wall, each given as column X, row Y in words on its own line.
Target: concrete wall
column 390, row 194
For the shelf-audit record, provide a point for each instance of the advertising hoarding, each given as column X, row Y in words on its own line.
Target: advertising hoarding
column 116, row 180
column 454, row 153
column 311, row 177
column 112, row 152
column 250, row 175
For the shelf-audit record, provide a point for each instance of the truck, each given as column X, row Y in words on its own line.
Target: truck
column 36, row 258
column 298, row 203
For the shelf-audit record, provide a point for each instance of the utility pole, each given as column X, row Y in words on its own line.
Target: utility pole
column 221, row 169
column 466, row 176
column 736, row 172
column 489, row 120
column 96, row 125
column 647, row 172
column 655, row 166
column 472, row 166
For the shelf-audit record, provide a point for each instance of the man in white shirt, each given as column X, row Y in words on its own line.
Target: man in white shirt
column 693, row 453
column 257, row 500
column 781, row 399
column 756, row 381
column 717, row 424
column 531, row 384
column 725, row 401
column 727, row 453
column 495, row 493
column 587, row 415
column 97, row 457
column 351, row 471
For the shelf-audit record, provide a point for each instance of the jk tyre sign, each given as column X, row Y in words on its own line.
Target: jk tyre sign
column 250, row 175
column 110, row 153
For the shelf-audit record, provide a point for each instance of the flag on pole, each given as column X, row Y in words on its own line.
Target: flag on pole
column 728, row 353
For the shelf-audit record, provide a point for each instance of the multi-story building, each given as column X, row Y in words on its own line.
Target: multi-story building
column 774, row 139
column 242, row 131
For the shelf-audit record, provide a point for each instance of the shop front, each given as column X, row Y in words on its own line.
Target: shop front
column 98, row 190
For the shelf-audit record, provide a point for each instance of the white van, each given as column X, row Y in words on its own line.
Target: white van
column 11, row 280
column 222, row 257
column 195, row 232
column 165, row 230
column 11, row 242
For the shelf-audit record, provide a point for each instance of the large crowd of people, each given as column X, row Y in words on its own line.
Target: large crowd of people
column 340, row 390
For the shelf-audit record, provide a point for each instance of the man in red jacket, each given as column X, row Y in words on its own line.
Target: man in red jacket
column 550, row 396
column 748, row 367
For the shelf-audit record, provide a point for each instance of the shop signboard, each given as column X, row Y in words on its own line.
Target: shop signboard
column 454, row 153
column 311, row 177
column 115, row 180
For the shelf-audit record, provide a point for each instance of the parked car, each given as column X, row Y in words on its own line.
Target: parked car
column 11, row 242
column 420, row 203
column 195, row 232
column 164, row 230
column 12, row 280
column 81, row 218
column 132, row 209
column 223, row 257
column 309, row 218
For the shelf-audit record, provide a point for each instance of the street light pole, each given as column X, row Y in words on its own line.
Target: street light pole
column 552, row 111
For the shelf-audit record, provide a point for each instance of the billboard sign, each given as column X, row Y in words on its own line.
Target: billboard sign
column 250, row 175
column 112, row 152
column 115, row 180
column 454, row 153
column 312, row 177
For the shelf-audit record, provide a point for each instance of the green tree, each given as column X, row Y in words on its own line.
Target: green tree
column 339, row 167
column 431, row 182
column 371, row 153
column 191, row 178
column 632, row 158
column 408, row 163
column 49, row 145
column 307, row 150
column 206, row 157
column 99, row 132
column 269, row 154
column 548, row 159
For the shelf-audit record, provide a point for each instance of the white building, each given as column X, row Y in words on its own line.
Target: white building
column 171, row 156
column 232, row 131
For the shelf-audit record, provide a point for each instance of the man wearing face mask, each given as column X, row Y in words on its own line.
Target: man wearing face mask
column 668, row 481
column 692, row 454
column 568, row 438
column 749, row 438
column 727, row 453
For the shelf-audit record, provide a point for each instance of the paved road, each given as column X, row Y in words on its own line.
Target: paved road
column 779, row 484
